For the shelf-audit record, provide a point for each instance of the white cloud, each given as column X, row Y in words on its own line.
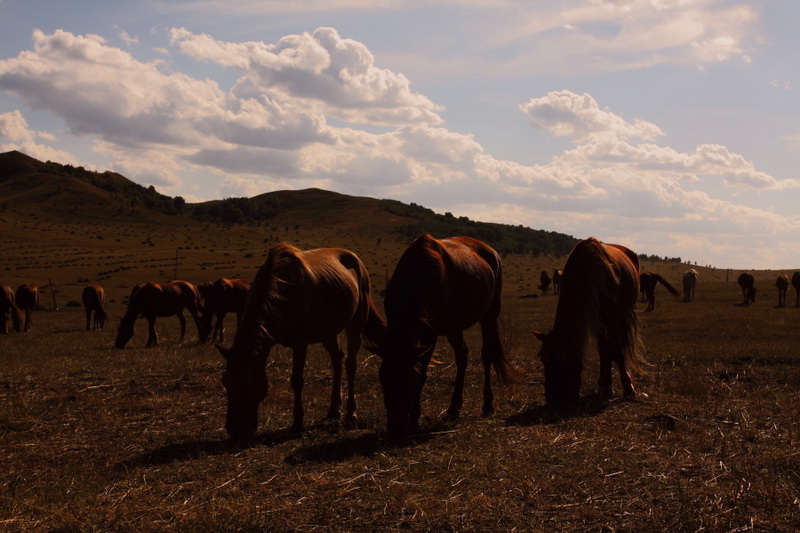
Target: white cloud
column 14, row 127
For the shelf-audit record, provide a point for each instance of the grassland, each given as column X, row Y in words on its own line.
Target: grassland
column 98, row 439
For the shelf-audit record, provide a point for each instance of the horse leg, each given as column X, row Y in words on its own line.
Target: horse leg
column 456, row 340
column 298, row 366
column 416, row 408
column 331, row 345
column 218, row 335
column 88, row 318
column 182, row 320
column 604, row 385
column 491, row 352
column 152, row 337
column 353, row 345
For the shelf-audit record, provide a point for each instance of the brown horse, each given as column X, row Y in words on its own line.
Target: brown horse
column 647, row 285
column 27, row 298
column 94, row 301
column 689, row 284
column 782, row 283
column 556, row 282
column 747, row 283
column 8, row 304
column 796, row 285
column 439, row 287
column 544, row 283
column 598, row 297
column 152, row 300
column 224, row 295
column 298, row 298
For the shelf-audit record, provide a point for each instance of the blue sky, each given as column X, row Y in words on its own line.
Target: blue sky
column 670, row 126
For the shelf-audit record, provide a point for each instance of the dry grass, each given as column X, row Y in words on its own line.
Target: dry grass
column 97, row 439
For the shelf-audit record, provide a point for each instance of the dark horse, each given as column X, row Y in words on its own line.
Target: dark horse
column 94, row 301
column 27, row 298
column 648, row 282
column 8, row 304
column 747, row 282
column 556, row 282
column 298, row 298
column 544, row 283
column 224, row 295
column 439, row 287
column 796, row 285
column 152, row 300
column 782, row 283
column 598, row 297
column 689, row 284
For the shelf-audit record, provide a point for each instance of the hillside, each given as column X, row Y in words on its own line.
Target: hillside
column 75, row 226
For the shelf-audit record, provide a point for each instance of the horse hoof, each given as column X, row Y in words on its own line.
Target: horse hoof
column 487, row 412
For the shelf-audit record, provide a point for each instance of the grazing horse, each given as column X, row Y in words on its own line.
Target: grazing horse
column 747, row 283
column 601, row 284
column 152, row 300
column 8, row 304
column 27, row 298
column 689, row 284
column 544, row 283
column 556, row 282
column 796, row 285
column 439, row 287
column 648, row 282
column 298, row 298
column 782, row 283
column 224, row 295
column 94, row 300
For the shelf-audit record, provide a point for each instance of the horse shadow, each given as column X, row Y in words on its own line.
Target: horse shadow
column 542, row 415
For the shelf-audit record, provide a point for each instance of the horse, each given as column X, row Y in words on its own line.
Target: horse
column 782, row 283
column 224, row 295
column 747, row 283
column 648, row 282
column 796, row 285
column 439, row 287
column 556, row 282
column 8, row 304
column 152, row 300
column 689, row 284
column 544, row 283
column 27, row 298
column 598, row 299
column 298, row 298
column 94, row 300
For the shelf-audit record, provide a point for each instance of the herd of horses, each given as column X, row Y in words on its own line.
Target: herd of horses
column 440, row 288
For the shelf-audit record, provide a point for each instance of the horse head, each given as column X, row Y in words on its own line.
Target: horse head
column 562, row 374
column 124, row 331
column 245, row 383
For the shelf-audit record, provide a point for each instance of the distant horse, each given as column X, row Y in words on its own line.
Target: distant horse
column 224, row 295
column 439, row 287
column 556, row 282
column 298, row 298
column 747, row 283
column 689, row 284
column 152, row 300
column 782, row 283
column 8, row 305
column 27, row 298
column 544, row 283
column 601, row 284
column 796, row 285
column 648, row 282
column 94, row 301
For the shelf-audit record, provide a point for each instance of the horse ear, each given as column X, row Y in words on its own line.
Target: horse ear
column 225, row 352
column 539, row 335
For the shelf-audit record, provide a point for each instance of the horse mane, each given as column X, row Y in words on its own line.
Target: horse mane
column 581, row 310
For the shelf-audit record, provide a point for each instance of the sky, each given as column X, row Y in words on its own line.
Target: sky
column 669, row 126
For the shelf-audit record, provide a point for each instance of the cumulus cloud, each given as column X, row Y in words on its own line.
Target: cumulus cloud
column 14, row 128
column 337, row 74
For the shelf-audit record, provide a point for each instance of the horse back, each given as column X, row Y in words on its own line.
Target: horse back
column 93, row 297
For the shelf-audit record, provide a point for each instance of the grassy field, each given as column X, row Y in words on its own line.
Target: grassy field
column 98, row 439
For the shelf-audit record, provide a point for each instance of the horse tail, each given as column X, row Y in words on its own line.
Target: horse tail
column 633, row 350
column 374, row 331
column 666, row 284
